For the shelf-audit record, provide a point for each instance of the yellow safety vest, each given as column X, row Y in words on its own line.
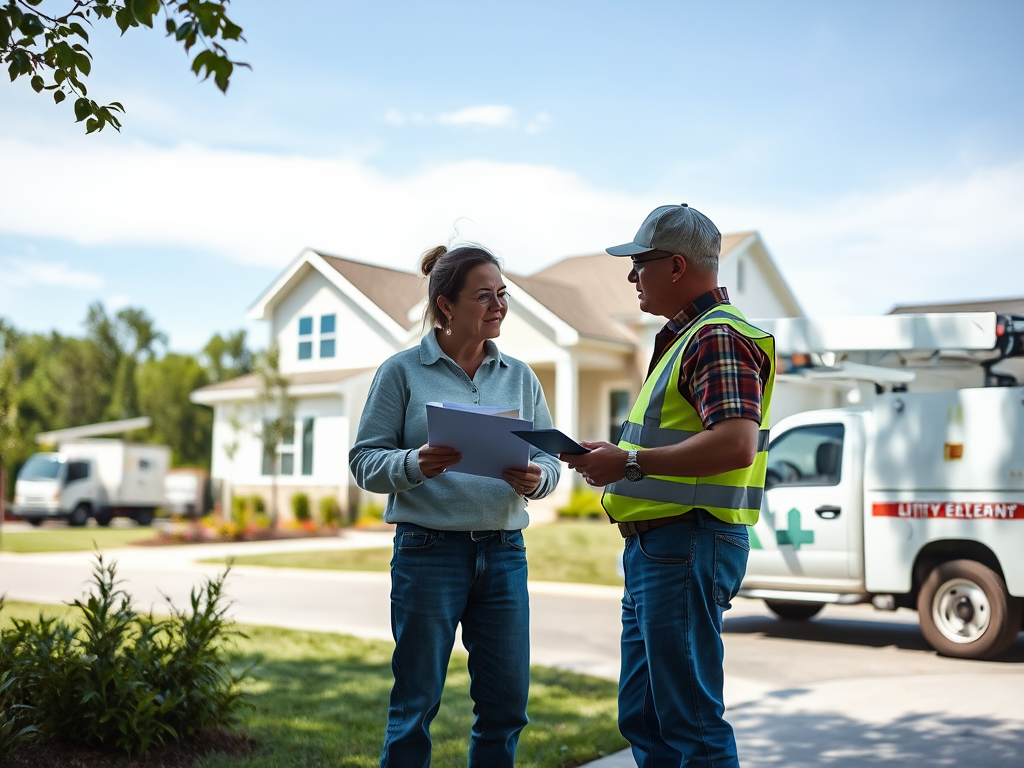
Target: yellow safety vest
column 662, row 416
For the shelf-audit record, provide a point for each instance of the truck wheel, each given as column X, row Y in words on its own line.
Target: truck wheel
column 79, row 516
column 965, row 611
column 103, row 517
column 35, row 522
column 144, row 516
column 794, row 611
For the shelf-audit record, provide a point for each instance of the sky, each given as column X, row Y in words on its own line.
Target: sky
column 876, row 146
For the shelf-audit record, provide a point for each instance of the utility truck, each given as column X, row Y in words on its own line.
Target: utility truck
column 913, row 499
column 92, row 477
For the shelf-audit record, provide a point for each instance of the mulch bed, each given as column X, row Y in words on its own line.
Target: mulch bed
column 49, row 753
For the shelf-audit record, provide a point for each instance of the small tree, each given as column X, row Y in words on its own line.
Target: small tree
column 276, row 408
column 230, row 449
column 9, row 434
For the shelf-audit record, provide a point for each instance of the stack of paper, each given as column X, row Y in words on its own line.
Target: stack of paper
column 482, row 434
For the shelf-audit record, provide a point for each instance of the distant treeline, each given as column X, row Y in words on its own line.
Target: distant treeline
column 120, row 368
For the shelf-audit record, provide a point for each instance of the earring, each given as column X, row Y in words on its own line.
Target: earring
column 448, row 328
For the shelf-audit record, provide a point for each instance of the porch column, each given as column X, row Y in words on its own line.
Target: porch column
column 567, row 403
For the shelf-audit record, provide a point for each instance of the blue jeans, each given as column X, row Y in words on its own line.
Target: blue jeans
column 439, row 579
column 679, row 579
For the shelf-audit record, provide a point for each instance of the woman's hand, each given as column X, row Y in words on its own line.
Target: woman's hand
column 523, row 481
column 435, row 459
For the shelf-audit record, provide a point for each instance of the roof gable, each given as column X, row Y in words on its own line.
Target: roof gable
column 394, row 291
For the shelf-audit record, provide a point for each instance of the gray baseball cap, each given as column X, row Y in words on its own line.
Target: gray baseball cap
column 674, row 229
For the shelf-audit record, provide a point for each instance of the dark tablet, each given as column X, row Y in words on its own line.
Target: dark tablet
column 550, row 441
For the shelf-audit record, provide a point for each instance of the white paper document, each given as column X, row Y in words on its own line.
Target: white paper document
column 482, row 434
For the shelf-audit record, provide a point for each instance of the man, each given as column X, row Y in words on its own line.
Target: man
column 683, row 484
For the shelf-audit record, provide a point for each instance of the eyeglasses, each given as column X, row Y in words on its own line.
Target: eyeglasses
column 638, row 265
column 486, row 299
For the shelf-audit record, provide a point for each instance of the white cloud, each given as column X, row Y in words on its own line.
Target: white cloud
column 487, row 115
column 24, row 273
column 941, row 239
column 540, row 120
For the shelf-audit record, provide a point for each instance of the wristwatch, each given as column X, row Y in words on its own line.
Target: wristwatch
column 633, row 472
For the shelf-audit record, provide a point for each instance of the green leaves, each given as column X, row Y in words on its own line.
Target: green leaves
column 122, row 680
column 44, row 52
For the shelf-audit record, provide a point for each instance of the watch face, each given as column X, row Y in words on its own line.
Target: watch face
column 634, row 473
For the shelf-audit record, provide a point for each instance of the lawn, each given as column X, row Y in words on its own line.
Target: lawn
column 73, row 539
column 584, row 552
column 321, row 700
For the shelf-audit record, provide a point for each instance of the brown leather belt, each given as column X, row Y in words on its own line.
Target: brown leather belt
column 628, row 529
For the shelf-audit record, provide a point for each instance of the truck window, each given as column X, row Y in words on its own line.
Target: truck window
column 77, row 470
column 41, row 468
column 809, row 455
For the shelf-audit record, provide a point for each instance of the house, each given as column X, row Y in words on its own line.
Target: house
column 576, row 323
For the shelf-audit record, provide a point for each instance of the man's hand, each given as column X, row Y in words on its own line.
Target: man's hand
column 435, row 459
column 523, row 481
column 606, row 463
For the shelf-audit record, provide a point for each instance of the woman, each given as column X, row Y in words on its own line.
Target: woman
column 459, row 555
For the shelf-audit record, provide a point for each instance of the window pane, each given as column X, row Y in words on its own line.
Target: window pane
column 305, row 326
column 307, row 446
column 326, row 347
column 618, row 408
column 806, row 456
column 268, row 451
column 287, row 463
column 288, row 438
column 327, row 324
column 305, row 350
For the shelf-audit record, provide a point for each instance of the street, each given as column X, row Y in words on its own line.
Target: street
column 853, row 687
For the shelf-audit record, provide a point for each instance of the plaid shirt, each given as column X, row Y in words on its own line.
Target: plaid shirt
column 723, row 373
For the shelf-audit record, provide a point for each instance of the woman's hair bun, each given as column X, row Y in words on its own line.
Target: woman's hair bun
column 430, row 258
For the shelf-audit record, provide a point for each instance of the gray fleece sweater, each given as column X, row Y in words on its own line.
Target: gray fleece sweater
column 385, row 458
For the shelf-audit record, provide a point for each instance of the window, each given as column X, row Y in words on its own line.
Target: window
column 77, row 470
column 327, row 335
column 806, row 456
column 618, row 412
column 307, row 446
column 283, row 458
column 740, row 276
column 305, row 329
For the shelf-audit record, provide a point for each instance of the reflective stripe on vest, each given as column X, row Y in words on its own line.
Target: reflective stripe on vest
column 733, row 496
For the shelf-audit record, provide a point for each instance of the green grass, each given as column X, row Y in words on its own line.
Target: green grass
column 73, row 539
column 321, row 700
column 583, row 552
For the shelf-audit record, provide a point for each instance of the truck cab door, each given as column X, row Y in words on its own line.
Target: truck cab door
column 802, row 538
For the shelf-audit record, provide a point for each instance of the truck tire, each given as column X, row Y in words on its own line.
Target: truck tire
column 103, row 517
column 794, row 611
column 144, row 516
column 966, row 612
column 35, row 522
column 79, row 516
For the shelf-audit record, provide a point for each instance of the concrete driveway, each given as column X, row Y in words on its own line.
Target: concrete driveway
column 853, row 687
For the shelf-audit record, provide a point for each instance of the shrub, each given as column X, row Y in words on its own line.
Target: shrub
column 240, row 510
column 14, row 727
column 122, row 680
column 330, row 512
column 300, row 507
column 370, row 512
column 583, row 502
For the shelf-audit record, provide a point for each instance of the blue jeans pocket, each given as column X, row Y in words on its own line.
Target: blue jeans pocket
column 731, row 552
column 515, row 541
column 416, row 541
column 670, row 544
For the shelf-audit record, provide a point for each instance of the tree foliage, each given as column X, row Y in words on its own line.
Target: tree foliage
column 51, row 49
column 52, row 381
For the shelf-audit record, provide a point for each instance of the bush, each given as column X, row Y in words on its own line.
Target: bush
column 14, row 727
column 300, row 507
column 330, row 512
column 122, row 680
column 370, row 512
column 582, row 503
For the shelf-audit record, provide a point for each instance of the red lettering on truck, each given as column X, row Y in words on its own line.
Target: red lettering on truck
column 949, row 510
